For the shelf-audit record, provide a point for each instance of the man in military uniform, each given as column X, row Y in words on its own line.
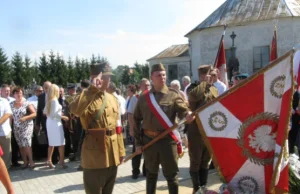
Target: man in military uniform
column 74, row 126
column 198, row 95
column 164, row 151
column 103, row 147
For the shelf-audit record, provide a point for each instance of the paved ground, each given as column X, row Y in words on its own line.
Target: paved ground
column 45, row 180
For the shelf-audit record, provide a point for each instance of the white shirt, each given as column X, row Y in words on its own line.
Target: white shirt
column 185, row 91
column 34, row 101
column 132, row 103
column 122, row 102
column 5, row 128
column 221, row 87
column 10, row 99
column 120, row 112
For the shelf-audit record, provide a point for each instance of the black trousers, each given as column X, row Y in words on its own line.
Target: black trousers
column 14, row 150
column 136, row 163
column 292, row 140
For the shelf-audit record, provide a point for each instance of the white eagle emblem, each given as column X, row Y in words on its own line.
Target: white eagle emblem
column 263, row 139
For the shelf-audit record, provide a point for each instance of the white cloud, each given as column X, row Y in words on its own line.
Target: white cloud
column 126, row 47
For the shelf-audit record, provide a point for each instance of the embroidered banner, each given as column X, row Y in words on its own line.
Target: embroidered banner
column 246, row 129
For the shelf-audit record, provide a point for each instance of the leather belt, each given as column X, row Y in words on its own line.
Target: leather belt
column 152, row 133
column 108, row 132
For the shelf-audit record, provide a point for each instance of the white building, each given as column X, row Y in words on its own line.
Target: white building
column 175, row 59
column 253, row 22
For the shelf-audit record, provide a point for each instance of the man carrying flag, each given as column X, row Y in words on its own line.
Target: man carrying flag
column 164, row 104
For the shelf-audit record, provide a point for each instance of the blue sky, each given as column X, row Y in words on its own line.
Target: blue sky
column 124, row 31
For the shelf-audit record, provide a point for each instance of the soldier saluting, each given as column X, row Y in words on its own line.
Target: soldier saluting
column 198, row 95
column 155, row 112
column 103, row 147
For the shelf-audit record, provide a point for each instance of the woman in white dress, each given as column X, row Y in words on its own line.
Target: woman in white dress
column 55, row 131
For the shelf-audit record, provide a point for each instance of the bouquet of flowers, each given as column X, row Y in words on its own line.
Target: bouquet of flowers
column 294, row 174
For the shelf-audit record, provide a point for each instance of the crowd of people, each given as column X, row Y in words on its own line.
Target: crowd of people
column 88, row 122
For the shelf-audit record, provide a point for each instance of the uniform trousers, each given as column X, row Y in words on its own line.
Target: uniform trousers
column 136, row 163
column 199, row 158
column 164, row 153
column 198, row 152
column 99, row 181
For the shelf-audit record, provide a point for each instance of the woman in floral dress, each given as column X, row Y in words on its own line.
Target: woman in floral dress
column 23, row 115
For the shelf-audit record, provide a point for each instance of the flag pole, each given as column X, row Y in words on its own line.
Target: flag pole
column 215, row 64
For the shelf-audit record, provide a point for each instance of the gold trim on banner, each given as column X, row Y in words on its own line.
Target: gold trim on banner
column 272, row 186
column 225, row 94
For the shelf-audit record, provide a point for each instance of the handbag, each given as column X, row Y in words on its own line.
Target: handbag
column 42, row 137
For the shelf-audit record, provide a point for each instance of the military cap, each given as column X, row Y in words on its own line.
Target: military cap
column 241, row 76
column 157, row 67
column 103, row 67
column 85, row 83
column 71, row 86
column 204, row 69
column 213, row 72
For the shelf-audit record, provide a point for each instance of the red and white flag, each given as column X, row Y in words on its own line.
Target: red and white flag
column 273, row 55
column 221, row 64
column 245, row 130
column 296, row 67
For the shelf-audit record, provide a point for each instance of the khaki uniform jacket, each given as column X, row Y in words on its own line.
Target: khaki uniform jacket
column 86, row 107
column 198, row 95
column 170, row 101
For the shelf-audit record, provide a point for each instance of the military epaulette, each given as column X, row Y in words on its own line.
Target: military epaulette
column 171, row 89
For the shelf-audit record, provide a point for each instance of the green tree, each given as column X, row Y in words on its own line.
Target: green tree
column 53, row 68
column 142, row 71
column 61, row 70
column 100, row 59
column 85, row 69
column 93, row 59
column 44, row 71
column 77, row 69
column 36, row 74
column 5, row 70
column 28, row 71
column 71, row 71
column 18, row 69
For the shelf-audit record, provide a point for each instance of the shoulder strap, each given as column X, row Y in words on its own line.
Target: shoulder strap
column 100, row 111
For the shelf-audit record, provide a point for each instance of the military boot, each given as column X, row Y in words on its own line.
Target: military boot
column 173, row 188
column 151, row 186
column 195, row 181
column 203, row 175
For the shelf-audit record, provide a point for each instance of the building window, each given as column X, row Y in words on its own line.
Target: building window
column 172, row 72
column 261, row 57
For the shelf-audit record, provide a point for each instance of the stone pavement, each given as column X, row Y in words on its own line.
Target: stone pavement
column 45, row 181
